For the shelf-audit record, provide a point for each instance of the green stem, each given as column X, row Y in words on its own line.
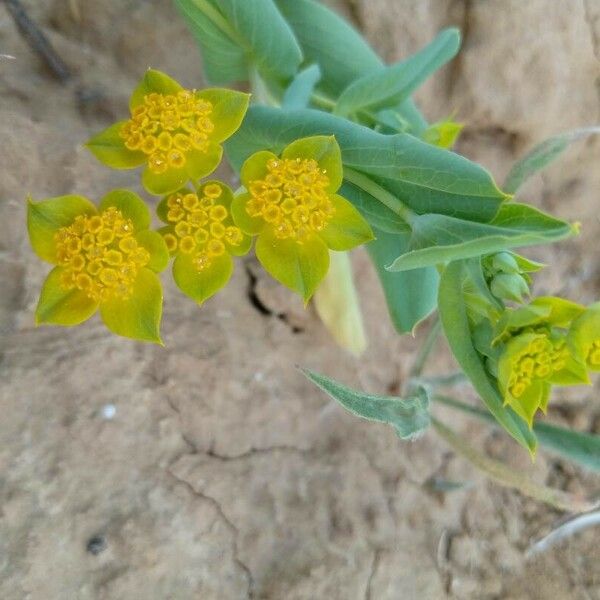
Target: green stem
column 220, row 21
column 426, row 348
column 322, row 101
column 381, row 194
column 260, row 90
column 508, row 477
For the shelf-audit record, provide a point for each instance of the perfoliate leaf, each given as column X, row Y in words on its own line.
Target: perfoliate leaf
column 411, row 296
column 584, row 336
column 408, row 416
column 201, row 285
column 155, row 82
column 298, row 93
column 440, row 238
column 46, row 217
column 300, row 267
column 347, row 228
column 138, row 315
column 130, row 205
column 542, row 155
column 228, row 110
column 443, row 134
column 60, row 306
column 545, row 310
column 459, row 335
column 109, row 148
column 392, row 85
column 325, row 150
column 236, row 36
column 155, row 244
column 427, row 178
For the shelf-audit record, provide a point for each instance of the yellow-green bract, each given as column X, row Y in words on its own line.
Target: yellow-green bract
column 176, row 133
column 106, row 258
column 200, row 233
column 291, row 203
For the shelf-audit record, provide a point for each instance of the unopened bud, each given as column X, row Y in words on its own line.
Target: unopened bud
column 505, row 262
column 509, row 287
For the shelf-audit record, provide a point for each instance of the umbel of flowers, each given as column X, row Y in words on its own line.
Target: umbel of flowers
column 176, row 134
column 291, row 203
column 548, row 342
column 107, row 258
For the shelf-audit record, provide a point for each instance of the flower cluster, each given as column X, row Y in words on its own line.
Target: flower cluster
column 548, row 342
column 176, row 133
column 167, row 127
column 202, row 236
column 291, row 203
column 100, row 255
column 107, row 257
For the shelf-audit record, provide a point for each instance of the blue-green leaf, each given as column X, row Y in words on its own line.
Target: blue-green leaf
column 299, row 91
column 439, row 238
column 426, row 178
column 542, row 155
column 411, row 296
column 340, row 51
column 457, row 329
column 236, row 36
column 408, row 416
column 392, row 85
column 376, row 213
column 327, row 40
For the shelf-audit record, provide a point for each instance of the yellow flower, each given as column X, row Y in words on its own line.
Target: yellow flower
column 291, row 203
column 106, row 258
column 202, row 236
column 530, row 364
column 176, row 133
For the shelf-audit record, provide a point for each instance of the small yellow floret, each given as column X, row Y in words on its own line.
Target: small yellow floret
column 166, row 127
column 100, row 256
column 199, row 227
column 292, row 197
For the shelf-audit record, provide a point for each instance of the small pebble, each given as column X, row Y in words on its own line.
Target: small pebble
column 96, row 545
column 109, row 411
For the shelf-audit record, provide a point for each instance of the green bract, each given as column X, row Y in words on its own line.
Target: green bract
column 200, row 233
column 176, row 133
column 530, row 364
column 106, row 258
column 584, row 336
column 291, row 203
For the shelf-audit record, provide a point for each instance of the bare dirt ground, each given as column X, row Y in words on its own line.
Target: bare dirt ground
column 223, row 474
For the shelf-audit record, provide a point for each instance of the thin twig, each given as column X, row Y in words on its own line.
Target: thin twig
column 426, row 349
column 37, row 40
column 436, row 381
column 507, row 477
column 563, row 532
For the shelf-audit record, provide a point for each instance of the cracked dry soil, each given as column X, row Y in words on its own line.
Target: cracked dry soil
column 223, row 474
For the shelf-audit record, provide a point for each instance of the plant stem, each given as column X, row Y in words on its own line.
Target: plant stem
column 219, row 21
column 508, row 477
column 260, row 90
column 381, row 194
column 426, row 348
column 436, row 381
column 322, row 101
